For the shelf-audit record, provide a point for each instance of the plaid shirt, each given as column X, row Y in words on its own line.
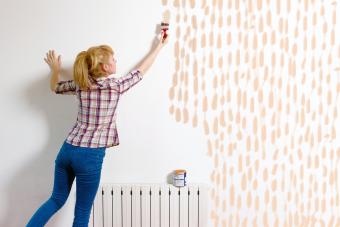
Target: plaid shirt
column 96, row 121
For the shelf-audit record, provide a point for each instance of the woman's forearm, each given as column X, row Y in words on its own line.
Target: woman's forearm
column 149, row 59
column 54, row 63
column 54, row 79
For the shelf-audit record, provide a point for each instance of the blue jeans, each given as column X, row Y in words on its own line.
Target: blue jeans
column 83, row 163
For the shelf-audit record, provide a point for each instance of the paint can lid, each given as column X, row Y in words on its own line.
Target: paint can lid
column 180, row 171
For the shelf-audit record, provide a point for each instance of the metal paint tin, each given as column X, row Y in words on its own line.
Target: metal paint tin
column 180, row 178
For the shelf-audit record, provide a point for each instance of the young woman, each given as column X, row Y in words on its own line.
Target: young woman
column 81, row 156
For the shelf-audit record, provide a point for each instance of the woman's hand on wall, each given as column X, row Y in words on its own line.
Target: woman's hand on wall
column 53, row 61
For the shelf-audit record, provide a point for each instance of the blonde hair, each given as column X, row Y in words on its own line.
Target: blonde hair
column 87, row 65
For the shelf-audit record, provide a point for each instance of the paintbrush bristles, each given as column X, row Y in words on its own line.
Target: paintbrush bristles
column 166, row 16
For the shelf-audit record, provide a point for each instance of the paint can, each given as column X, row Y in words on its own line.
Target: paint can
column 180, row 178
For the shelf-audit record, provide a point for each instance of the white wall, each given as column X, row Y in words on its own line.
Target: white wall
column 35, row 122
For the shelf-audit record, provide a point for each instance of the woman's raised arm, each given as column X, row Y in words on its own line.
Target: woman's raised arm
column 54, row 63
column 150, row 58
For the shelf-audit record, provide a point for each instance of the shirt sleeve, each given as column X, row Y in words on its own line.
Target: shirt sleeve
column 128, row 81
column 66, row 87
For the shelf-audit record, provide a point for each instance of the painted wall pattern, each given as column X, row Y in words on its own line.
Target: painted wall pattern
column 261, row 79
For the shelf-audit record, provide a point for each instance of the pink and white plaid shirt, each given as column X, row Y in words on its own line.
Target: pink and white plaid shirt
column 96, row 121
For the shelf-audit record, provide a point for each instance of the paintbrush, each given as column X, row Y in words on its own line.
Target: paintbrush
column 165, row 24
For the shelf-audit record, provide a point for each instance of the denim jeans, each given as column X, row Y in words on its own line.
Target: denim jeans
column 85, row 165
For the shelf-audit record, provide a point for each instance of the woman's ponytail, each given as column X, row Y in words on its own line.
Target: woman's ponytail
column 81, row 71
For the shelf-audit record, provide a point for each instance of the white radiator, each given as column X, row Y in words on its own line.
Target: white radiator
column 150, row 205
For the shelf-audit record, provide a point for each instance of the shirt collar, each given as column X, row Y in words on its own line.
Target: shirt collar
column 104, row 78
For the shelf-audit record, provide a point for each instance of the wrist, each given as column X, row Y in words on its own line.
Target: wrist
column 159, row 46
column 55, row 70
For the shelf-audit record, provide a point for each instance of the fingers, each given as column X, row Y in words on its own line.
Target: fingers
column 52, row 60
column 164, row 36
column 165, row 41
column 52, row 57
column 50, row 54
column 48, row 58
